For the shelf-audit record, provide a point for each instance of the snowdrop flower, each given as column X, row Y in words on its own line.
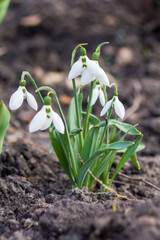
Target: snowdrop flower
column 118, row 107
column 94, row 71
column 80, row 65
column 97, row 92
column 18, row 96
column 45, row 117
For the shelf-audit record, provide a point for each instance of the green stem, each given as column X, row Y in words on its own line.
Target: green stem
column 86, row 125
column 25, row 73
column 113, row 129
column 50, row 90
column 107, row 127
column 75, row 94
column 99, row 47
column 78, row 113
column 75, row 50
column 106, row 99
column 105, row 93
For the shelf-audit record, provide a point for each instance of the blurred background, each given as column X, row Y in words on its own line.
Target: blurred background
column 39, row 36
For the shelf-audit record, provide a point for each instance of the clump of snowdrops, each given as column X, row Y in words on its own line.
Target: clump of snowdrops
column 85, row 145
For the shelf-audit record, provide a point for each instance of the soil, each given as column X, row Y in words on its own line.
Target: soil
column 37, row 200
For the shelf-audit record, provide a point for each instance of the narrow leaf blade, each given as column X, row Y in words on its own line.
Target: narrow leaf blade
column 124, row 127
column 3, row 9
column 4, row 122
column 84, row 169
column 125, row 157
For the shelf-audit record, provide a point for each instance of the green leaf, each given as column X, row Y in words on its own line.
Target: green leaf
column 91, row 143
column 104, row 166
column 76, row 131
column 72, row 121
column 3, row 8
column 130, row 150
column 84, row 169
column 135, row 160
column 50, row 148
column 140, row 147
column 101, row 124
column 92, row 119
column 118, row 145
column 72, row 116
column 115, row 137
column 62, row 153
column 4, row 122
column 124, row 127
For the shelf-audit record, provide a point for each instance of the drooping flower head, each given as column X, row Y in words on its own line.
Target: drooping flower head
column 18, row 97
column 45, row 117
column 94, row 71
column 97, row 92
column 116, row 104
column 89, row 70
column 80, row 65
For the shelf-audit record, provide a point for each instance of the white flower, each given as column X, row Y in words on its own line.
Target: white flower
column 79, row 67
column 97, row 92
column 92, row 72
column 18, row 96
column 118, row 107
column 43, row 119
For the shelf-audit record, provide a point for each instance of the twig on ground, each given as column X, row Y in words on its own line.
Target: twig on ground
column 123, row 183
column 140, row 180
column 30, row 225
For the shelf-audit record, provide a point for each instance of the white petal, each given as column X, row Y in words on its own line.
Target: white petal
column 101, row 97
column 98, row 72
column 119, row 108
column 106, row 107
column 87, row 77
column 38, row 121
column 47, row 123
column 93, row 66
column 95, row 95
column 76, row 69
column 58, row 123
column 102, row 77
column 16, row 99
column 31, row 101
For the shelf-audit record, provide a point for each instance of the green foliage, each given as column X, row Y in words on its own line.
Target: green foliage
column 94, row 155
column 3, row 9
column 126, row 155
column 88, row 147
column 124, row 127
column 4, row 122
column 104, row 150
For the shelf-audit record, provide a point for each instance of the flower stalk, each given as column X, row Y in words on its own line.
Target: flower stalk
column 75, row 94
column 25, row 73
column 88, row 111
column 51, row 91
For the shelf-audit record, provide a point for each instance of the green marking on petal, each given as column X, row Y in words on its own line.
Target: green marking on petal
column 48, row 110
column 23, row 90
column 48, row 116
column 84, row 65
column 83, row 60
